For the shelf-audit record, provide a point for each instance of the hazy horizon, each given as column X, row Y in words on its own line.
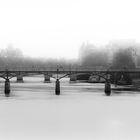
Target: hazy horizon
column 57, row 29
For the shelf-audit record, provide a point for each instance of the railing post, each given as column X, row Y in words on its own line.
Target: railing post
column 57, row 87
column 7, row 88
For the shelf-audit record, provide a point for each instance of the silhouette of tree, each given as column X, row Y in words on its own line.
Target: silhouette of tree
column 123, row 58
column 89, row 55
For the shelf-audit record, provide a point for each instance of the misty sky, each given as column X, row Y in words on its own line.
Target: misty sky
column 57, row 28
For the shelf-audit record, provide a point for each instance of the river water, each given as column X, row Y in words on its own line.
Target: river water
column 82, row 111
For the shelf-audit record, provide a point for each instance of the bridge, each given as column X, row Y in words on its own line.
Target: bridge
column 60, row 72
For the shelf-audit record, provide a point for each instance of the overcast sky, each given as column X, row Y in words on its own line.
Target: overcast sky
column 57, row 28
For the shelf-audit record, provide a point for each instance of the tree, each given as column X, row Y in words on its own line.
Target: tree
column 123, row 58
column 11, row 52
column 90, row 55
column 11, row 56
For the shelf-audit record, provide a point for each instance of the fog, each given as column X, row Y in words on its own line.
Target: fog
column 116, row 54
column 90, row 55
column 14, row 57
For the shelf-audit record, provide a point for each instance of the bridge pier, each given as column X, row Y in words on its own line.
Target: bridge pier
column 20, row 78
column 73, row 78
column 57, row 87
column 46, row 78
column 107, row 88
column 7, row 88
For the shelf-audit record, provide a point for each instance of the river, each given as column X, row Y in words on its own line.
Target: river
column 82, row 111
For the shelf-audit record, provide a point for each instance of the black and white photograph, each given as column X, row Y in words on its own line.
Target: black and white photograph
column 69, row 70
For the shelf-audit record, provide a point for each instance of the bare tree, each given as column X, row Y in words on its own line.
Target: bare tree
column 123, row 58
column 89, row 55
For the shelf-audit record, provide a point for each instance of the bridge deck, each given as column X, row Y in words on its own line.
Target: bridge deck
column 66, row 70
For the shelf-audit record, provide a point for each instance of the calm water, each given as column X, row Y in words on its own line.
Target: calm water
column 82, row 111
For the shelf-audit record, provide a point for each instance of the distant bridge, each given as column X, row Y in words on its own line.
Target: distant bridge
column 60, row 72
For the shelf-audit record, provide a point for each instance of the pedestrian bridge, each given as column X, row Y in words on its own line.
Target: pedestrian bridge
column 60, row 72
column 78, row 69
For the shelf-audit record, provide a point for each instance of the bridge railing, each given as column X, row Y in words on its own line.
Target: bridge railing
column 65, row 69
column 45, row 68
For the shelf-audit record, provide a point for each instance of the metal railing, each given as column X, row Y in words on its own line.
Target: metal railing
column 66, row 69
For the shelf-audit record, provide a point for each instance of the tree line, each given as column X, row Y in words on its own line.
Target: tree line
column 12, row 57
column 115, row 55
